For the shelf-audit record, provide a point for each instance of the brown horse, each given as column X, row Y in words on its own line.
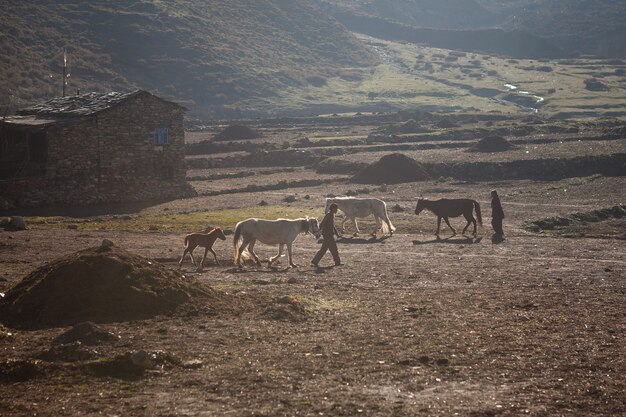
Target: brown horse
column 204, row 240
column 445, row 208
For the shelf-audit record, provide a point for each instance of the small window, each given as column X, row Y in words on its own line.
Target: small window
column 161, row 136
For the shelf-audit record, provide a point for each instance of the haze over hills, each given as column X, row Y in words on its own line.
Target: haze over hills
column 594, row 27
column 259, row 58
column 209, row 55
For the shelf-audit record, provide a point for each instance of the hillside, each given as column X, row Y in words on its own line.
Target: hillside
column 592, row 27
column 212, row 56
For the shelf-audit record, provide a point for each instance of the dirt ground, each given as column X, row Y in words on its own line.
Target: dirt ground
column 410, row 325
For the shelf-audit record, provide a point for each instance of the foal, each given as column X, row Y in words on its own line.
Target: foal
column 204, row 240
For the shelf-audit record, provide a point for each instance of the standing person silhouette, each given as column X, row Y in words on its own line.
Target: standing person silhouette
column 329, row 231
column 497, row 213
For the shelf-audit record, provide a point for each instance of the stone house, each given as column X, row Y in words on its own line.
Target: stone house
column 93, row 148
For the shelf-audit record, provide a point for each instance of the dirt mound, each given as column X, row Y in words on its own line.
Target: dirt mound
column 99, row 284
column 394, row 168
column 491, row 144
column 86, row 333
column 237, row 132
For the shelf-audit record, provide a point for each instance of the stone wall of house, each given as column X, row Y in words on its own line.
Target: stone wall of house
column 109, row 157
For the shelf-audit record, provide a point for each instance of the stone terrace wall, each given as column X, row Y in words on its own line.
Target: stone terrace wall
column 109, row 157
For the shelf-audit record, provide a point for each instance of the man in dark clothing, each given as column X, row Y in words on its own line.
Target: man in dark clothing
column 497, row 214
column 329, row 231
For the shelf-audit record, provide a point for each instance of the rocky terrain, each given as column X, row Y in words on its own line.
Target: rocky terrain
column 411, row 325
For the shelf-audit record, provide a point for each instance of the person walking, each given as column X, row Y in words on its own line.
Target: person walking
column 497, row 213
column 329, row 231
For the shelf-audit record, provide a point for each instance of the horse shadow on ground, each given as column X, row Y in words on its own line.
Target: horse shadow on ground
column 258, row 269
column 362, row 240
column 461, row 240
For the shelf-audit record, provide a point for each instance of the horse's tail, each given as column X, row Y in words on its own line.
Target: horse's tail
column 237, row 241
column 186, row 240
column 386, row 225
column 479, row 217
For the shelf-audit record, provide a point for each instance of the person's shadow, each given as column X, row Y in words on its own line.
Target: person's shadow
column 496, row 238
column 461, row 240
column 362, row 240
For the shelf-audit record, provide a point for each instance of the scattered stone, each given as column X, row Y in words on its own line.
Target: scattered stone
column 408, row 362
column 286, row 299
column 120, row 366
column 86, row 333
column 397, row 209
column 106, row 243
column 442, row 361
column 142, row 359
column 153, row 228
column 292, row 280
column 193, row 364
column 263, row 203
column 13, row 223
column 72, row 226
column 593, row 84
column 289, row 199
column 286, row 311
column 71, row 352
column 424, row 359
column 19, row 370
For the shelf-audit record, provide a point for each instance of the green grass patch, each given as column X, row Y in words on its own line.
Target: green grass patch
column 226, row 219
column 315, row 304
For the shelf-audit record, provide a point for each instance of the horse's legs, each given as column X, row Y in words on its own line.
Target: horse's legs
column 193, row 261
column 343, row 222
column 214, row 256
column 180, row 263
column 470, row 219
column 203, row 258
column 450, row 226
column 289, row 253
column 356, row 226
column 389, row 224
column 242, row 248
column 251, row 249
column 273, row 258
column 438, row 225
column 379, row 224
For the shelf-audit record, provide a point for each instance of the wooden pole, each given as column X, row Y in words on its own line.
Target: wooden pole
column 64, row 72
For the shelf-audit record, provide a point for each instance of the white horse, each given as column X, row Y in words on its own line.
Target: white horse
column 271, row 232
column 363, row 207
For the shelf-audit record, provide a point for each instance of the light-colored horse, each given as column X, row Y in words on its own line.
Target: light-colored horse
column 271, row 232
column 363, row 207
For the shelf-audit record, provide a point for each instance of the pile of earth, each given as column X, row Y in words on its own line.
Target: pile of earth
column 237, row 132
column 491, row 144
column 394, row 168
column 409, row 126
column 99, row 284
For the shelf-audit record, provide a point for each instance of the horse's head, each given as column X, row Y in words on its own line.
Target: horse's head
column 219, row 233
column 314, row 227
column 420, row 205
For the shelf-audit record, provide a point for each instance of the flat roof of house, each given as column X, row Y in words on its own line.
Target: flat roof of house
column 73, row 108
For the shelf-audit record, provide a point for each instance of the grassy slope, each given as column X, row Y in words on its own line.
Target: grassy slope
column 208, row 54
